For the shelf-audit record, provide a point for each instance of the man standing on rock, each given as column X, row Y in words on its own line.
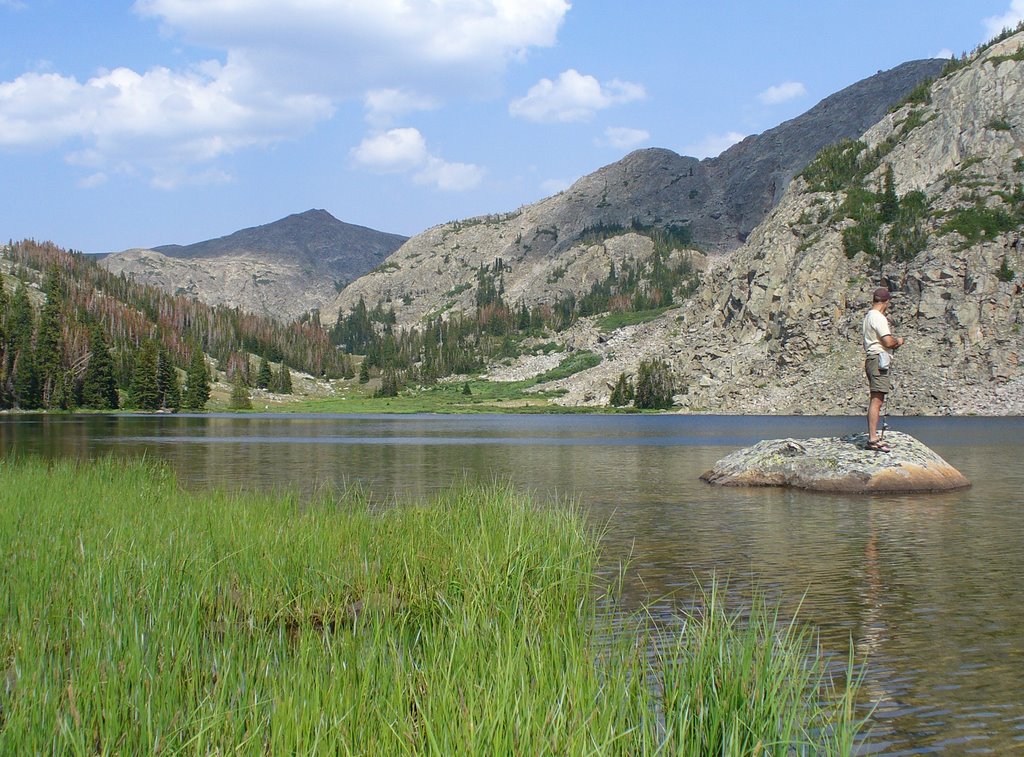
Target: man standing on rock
column 879, row 345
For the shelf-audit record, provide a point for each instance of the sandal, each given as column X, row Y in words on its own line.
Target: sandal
column 878, row 447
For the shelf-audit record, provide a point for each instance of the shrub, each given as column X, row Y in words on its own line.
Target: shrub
column 977, row 222
column 654, row 386
column 835, row 167
column 1005, row 273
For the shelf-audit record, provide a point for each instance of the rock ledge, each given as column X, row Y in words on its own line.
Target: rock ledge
column 838, row 464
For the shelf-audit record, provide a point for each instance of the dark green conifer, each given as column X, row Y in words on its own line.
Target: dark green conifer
column 49, row 357
column 364, row 371
column 283, row 381
column 890, row 204
column 99, row 387
column 22, row 373
column 143, row 389
column 654, row 388
column 167, row 381
column 197, row 386
column 240, row 399
column 264, row 376
column 623, row 392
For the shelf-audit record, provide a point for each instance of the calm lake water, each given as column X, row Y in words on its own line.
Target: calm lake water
column 928, row 587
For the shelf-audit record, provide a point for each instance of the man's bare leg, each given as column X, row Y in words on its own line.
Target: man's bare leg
column 874, row 412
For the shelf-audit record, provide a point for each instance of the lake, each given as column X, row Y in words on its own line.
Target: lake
column 928, row 587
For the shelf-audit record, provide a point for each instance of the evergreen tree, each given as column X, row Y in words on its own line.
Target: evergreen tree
column 653, row 385
column 283, row 382
column 389, row 384
column 355, row 331
column 99, row 387
column 364, row 371
column 264, row 376
column 240, row 399
column 623, row 392
column 197, row 386
column 890, row 204
column 167, row 382
column 143, row 389
column 49, row 344
column 4, row 303
column 23, row 374
column 26, row 386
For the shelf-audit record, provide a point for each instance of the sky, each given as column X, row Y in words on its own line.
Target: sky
column 137, row 124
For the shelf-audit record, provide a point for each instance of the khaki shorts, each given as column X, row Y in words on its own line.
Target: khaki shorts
column 878, row 380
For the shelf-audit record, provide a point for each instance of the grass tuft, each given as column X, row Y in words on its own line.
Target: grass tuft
column 139, row 618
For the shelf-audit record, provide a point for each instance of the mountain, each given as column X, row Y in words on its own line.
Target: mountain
column 282, row 269
column 63, row 317
column 929, row 201
column 559, row 247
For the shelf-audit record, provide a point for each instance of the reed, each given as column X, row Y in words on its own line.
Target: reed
column 138, row 617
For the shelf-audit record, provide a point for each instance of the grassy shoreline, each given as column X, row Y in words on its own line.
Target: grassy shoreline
column 139, row 617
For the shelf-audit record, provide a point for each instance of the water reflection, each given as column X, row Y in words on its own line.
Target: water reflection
column 927, row 587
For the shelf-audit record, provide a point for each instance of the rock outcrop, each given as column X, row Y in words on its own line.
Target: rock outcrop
column 840, row 465
column 776, row 327
column 283, row 269
column 544, row 249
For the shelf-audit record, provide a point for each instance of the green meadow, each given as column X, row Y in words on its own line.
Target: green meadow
column 137, row 617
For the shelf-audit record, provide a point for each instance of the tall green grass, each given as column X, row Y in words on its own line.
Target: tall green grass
column 138, row 618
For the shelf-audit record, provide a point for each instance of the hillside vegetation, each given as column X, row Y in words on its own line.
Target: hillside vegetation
column 73, row 334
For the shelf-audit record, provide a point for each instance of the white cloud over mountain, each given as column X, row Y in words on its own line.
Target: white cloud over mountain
column 286, row 66
column 404, row 150
column 713, row 145
column 1008, row 20
column 573, row 97
column 623, row 138
column 780, row 93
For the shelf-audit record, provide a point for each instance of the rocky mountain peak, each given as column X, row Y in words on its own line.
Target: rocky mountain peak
column 929, row 201
column 548, row 249
column 282, row 269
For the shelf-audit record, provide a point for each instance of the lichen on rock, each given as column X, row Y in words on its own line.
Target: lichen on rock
column 838, row 464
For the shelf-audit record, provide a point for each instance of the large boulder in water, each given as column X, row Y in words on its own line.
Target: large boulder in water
column 838, row 464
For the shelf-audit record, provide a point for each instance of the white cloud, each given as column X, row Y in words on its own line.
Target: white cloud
column 573, row 97
column 1013, row 16
column 155, row 120
column 285, row 65
column 405, row 150
column 349, row 46
column 781, row 93
column 713, row 145
column 944, row 53
column 623, row 138
column 450, row 177
column 94, row 180
column 385, row 105
column 393, row 151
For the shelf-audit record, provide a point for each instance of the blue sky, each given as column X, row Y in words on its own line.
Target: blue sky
column 127, row 124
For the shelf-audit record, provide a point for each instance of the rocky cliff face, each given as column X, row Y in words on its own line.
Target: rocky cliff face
column 544, row 247
column 776, row 328
column 282, row 269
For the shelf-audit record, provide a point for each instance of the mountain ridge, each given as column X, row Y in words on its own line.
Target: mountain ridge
column 283, row 269
column 540, row 244
column 775, row 328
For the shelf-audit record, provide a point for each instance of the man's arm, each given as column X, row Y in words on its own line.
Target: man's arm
column 891, row 342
